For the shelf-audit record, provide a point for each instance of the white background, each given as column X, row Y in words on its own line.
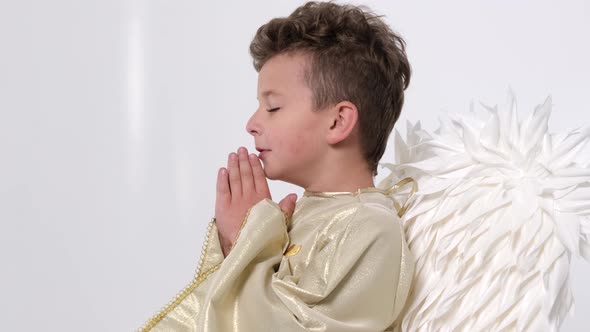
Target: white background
column 115, row 116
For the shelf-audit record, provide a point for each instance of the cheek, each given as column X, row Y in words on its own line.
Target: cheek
column 297, row 144
column 300, row 142
column 290, row 143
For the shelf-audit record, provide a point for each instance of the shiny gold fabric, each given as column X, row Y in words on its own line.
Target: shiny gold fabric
column 340, row 264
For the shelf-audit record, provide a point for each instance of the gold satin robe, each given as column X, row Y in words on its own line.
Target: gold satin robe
column 341, row 264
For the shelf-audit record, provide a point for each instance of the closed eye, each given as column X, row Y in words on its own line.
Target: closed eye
column 273, row 109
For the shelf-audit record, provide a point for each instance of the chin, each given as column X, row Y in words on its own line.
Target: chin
column 276, row 174
column 270, row 174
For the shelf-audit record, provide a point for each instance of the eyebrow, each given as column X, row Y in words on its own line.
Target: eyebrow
column 268, row 93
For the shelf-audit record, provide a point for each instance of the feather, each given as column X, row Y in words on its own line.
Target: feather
column 502, row 207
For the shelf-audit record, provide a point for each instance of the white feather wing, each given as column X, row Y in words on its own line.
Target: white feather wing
column 502, row 207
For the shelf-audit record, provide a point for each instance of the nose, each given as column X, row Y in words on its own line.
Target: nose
column 252, row 126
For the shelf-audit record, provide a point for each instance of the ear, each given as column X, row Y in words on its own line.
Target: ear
column 344, row 117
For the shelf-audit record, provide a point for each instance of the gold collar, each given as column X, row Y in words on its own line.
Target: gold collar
column 401, row 210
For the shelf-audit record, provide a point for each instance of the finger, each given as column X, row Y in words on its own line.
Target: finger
column 259, row 177
column 234, row 175
column 287, row 205
column 223, row 190
column 245, row 172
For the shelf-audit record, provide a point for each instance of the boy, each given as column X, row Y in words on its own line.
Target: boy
column 330, row 88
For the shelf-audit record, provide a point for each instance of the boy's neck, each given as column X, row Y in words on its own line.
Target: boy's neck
column 342, row 179
column 343, row 188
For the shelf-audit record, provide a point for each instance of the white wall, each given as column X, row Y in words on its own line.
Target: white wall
column 115, row 116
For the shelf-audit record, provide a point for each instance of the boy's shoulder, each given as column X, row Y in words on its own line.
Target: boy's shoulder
column 373, row 220
column 372, row 216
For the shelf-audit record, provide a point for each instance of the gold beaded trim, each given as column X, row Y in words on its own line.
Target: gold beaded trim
column 197, row 280
column 240, row 230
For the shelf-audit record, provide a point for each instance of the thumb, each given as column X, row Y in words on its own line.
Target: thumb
column 287, row 205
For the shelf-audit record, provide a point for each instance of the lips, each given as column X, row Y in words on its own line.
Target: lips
column 262, row 152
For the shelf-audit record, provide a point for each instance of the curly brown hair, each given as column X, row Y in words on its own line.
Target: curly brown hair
column 353, row 56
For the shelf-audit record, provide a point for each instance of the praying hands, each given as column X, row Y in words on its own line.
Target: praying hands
column 239, row 187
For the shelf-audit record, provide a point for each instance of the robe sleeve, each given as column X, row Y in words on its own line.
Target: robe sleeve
column 181, row 312
column 355, row 278
column 350, row 282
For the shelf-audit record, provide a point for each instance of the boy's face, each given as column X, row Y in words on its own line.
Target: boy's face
column 292, row 134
